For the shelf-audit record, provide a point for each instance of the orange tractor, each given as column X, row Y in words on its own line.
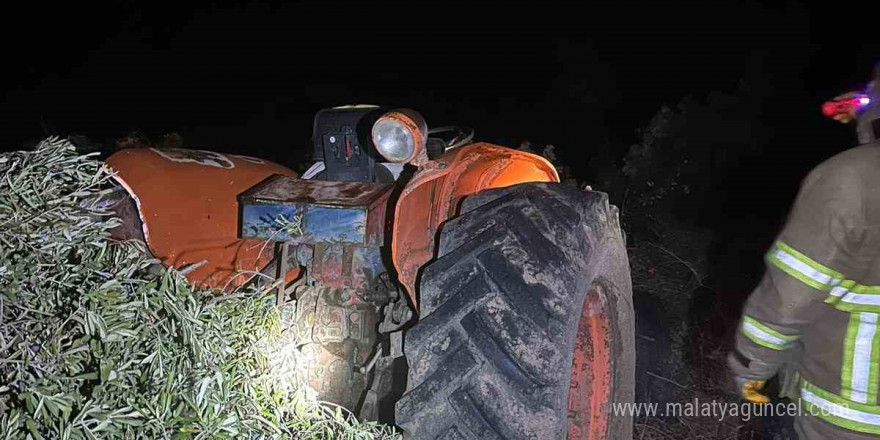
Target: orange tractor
column 455, row 289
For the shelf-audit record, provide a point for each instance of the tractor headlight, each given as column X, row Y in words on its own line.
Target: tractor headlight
column 400, row 135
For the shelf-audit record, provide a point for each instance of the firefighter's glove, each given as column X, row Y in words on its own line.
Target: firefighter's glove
column 750, row 390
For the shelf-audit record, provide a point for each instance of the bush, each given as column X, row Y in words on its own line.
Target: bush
column 96, row 343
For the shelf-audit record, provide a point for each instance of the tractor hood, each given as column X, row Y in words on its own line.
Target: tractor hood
column 187, row 203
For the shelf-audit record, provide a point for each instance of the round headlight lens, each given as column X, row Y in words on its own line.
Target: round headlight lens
column 394, row 140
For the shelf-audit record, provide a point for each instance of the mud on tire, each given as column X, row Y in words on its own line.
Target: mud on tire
column 491, row 356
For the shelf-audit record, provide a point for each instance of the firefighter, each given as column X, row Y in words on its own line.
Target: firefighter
column 814, row 318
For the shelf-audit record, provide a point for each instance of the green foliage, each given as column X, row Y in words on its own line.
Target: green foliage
column 689, row 152
column 97, row 343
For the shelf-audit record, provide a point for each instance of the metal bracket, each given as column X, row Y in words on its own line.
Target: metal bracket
column 283, row 266
column 396, row 344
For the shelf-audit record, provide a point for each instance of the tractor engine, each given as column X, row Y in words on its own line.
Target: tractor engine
column 333, row 229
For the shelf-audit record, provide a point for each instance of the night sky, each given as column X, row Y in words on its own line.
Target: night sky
column 248, row 77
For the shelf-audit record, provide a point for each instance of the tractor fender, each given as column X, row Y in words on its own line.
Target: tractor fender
column 434, row 194
column 186, row 200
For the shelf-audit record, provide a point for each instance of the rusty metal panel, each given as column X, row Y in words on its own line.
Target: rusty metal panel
column 346, row 265
column 304, row 223
column 285, row 190
column 312, row 211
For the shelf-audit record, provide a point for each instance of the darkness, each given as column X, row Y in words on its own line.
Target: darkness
column 246, row 77
column 249, row 77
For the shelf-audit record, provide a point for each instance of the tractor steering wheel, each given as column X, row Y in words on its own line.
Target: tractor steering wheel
column 452, row 136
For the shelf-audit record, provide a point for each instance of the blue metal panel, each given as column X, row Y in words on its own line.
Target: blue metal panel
column 317, row 224
column 327, row 212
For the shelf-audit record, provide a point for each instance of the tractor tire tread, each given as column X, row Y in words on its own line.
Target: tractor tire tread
column 491, row 354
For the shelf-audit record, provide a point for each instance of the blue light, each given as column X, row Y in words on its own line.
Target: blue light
column 864, row 101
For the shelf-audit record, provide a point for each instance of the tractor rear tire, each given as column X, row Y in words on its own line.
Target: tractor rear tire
column 526, row 322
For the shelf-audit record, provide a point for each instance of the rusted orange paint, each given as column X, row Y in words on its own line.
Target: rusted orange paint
column 591, row 371
column 190, row 212
column 435, row 192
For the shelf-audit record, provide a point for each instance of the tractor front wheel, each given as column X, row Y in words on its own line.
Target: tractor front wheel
column 526, row 322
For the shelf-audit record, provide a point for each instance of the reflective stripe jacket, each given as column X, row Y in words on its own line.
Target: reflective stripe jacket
column 821, row 293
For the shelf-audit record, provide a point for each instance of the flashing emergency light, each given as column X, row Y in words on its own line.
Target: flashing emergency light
column 834, row 108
